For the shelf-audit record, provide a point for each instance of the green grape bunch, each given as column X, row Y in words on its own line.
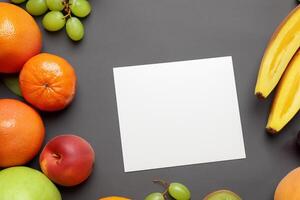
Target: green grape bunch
column 59, row 14
column 176, row 191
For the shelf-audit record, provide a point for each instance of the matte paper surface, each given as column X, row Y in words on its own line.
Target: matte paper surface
column 178, row 113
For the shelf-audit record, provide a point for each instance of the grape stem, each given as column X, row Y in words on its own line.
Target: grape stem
column 67, row 8
column 165, row 185
column 165, row 194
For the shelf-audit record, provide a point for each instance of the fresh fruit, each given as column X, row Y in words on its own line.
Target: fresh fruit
column 282, row 47
column 75, row 29
column 155, row 196
column 48, row 82
column 24, row 183
column 289, row 186
column 114, row 198
column 179, row 191
column 17, row 1
column 12, row 83
column 80, row 8
column 54, row 21
column 67, row 160
column 287, row 99
column 22, row 133
column 56, row 5
column 36, row 7
column 17, row 44
column 222, row 195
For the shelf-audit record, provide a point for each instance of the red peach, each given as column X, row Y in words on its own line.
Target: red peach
column 67, row 160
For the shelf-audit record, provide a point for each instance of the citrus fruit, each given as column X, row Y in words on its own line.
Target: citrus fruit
column 20, row 38
column 288, row 187
column 21, row 133
column 114, row 198
column 48, row 82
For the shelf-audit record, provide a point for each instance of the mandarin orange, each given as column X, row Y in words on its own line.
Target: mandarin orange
column 21, row 133
column 20, row 38
column 48, row 82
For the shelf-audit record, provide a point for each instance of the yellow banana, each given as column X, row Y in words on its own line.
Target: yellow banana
column 281, row 48
column 287, row 100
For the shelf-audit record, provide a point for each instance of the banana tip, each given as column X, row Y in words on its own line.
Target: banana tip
column 271, row 130
column 260, row 95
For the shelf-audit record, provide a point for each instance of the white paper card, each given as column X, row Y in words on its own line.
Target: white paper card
column 178, row 113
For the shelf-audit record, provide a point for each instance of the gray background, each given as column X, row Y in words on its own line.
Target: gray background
column 132, row 32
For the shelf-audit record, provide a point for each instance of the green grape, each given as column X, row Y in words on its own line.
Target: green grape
column 17, row 1
column 222, row 194
column 36, row 7
column 55, row 5
column 75, row 29
column 155, row 196
column 80, row 8
column 179, row 191
column 54, row 21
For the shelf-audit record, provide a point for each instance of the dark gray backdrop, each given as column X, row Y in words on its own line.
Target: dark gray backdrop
column 132, row 32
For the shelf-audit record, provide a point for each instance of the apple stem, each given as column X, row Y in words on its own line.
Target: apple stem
column 55, row 155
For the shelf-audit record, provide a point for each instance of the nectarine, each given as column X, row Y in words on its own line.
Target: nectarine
column 67, row 160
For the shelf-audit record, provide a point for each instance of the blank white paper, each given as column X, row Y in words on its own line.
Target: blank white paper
column 178, row 113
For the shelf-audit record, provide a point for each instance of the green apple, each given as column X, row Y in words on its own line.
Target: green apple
column 24, row 183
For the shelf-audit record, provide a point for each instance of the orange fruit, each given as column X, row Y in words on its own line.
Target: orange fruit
column 21, row 133
column 289, row 187
column 114, row 198
column 48, row 82
column 20, row 38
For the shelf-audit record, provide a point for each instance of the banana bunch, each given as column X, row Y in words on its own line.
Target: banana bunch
column 281, row 64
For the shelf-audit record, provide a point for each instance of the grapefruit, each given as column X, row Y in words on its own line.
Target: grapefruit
column 20, row 38
column 21, row 133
